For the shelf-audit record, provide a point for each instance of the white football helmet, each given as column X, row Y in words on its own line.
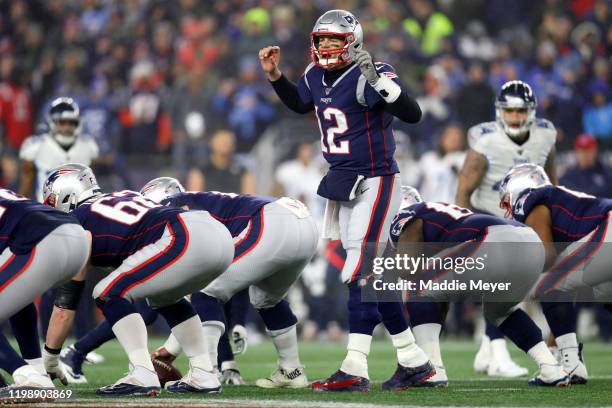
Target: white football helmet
column 410, row 195
column 64, row 110
column 69, row 185
column 517, row 180
column 337, row 23
column 161, row 188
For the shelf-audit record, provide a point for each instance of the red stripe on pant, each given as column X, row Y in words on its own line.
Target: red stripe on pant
column 372, row 217
column 244, row 239
column 148, row 261
column 22, row 270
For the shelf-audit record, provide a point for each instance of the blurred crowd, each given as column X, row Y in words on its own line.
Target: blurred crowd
column 175, row 86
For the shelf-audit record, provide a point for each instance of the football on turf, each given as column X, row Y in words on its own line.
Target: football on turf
column 166, row 371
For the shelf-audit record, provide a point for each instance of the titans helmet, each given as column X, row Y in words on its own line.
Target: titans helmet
column 161, row 188
column 64, row 110
column 410, row 195
column 517, row 180
column 69, row 185
column 337, row 23
column 515, row 95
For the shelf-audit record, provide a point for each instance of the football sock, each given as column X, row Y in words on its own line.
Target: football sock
column 423, row 312
column 285, row 341
column 427, row 337
column 519, row 328
column 132, row 334
column 561, row 317
column 493, row 331
column 278, row 317
column 224, row 349
column 363, row 316
column 208, row 307
column 25, row 329
column 95, row 338
column 9, row 359
column 190, row 336
column 177, row 313
column 172, row 345
column 356, row 360
column 408, row 353
column 212, row 332
column 541, row 354
column 392, row 314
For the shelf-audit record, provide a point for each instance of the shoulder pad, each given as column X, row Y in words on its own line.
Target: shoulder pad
column 544, row 123
column 475, row 133
column 30, row 146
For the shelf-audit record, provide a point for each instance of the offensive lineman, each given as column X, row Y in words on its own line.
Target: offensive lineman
column 355, row 100
column 515, row 137
column 561, row 215
column 156, row 254
column 32, row 237
column 274, row 239
column 502, row 244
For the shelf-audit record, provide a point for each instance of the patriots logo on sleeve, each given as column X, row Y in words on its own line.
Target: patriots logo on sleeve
column 389, row 74
column 519, row 206
column 401, row 219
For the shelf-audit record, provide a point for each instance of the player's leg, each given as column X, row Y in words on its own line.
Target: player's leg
column 582, row 265
column 25, row 330
column 493, row 357
column 73, row 357
column 292, row 238
column 25, row 376
column 515, row 255
column 364, row 225
column 164, row 270
column 426, row 320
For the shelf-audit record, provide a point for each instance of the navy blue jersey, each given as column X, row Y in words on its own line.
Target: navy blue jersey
column 232, row 210
column 24, row 223
column 121, row 223
column 356, row 132
column 573, row 214
column 445, row 222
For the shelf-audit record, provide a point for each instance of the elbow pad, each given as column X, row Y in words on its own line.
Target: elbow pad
column 388, row 89
column 69, row 294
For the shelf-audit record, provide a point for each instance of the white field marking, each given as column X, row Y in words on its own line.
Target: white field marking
column 236, row 403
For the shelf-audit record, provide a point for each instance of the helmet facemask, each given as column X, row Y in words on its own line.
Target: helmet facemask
column 331, row 57
column 513, row 131
column 64, row 121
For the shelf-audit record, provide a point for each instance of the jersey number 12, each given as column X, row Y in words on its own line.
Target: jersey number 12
column 328, row 145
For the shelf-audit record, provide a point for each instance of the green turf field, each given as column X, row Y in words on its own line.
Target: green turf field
column 321, row 359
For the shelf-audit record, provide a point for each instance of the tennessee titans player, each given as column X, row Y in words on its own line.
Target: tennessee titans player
column 355, row 101
column 155, row 253
column 560, row 215
column 503, row 243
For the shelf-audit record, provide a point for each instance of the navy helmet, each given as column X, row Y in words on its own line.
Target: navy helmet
column 515, row 95
column 64, row 110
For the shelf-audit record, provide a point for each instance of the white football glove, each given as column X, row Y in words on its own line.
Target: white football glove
column 53, row 366
column 364, row 60
column 239, row 336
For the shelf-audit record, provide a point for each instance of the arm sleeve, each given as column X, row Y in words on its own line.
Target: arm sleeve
column 295, row 97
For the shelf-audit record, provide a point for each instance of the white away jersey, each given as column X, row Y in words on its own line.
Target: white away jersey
column 502, row 154
column 47, row 154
